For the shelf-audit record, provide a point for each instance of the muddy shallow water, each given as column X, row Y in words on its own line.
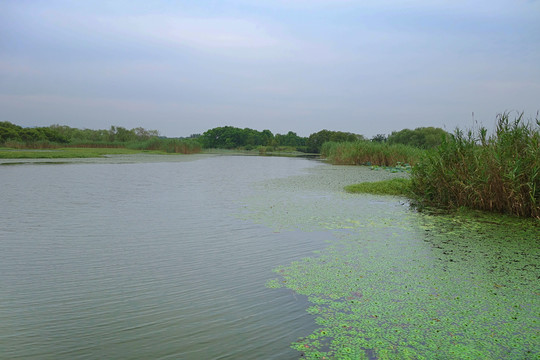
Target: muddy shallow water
column 227, row 257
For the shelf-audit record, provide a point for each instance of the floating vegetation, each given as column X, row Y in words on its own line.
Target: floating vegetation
column 459, row 290
column 397, row 284
column 397, row 187
column 399, row 167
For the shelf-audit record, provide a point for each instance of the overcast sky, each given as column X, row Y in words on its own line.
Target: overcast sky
column 183, row 67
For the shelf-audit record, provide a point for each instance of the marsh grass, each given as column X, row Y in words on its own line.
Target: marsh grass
column 370, row 153
column 48, row 150
column 64, row 153
column 178, row 146
column 396, row 187
column 499, row 172
column 38, row 145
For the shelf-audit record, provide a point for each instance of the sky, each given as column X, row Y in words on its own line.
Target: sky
column 182, row 67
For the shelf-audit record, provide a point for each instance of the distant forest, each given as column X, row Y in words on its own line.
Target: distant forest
column 226, row 137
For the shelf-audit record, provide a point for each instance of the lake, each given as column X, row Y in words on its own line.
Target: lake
column 243, row 257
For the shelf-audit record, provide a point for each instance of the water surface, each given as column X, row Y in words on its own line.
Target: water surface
column 228, row 257
column 138, row 259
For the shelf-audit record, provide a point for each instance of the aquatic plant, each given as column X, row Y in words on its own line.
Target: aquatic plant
column 399, row 284
column 399, row 167
column 462, row 289
column 500, row 172
column 397, row 187
column 370, row 153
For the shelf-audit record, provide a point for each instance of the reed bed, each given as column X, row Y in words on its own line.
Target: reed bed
column 499, row 172
column 38, row 145
column 370, row 153
column 178, row 146
column 78, row 149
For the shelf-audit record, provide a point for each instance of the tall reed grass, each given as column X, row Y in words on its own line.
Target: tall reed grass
column 168, row 145
column 37, row 145
column 499, row 172
column 364, row 152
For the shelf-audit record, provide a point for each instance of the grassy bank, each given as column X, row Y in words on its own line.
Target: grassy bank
column 499, row 172
column 370, row 153
column 66, row 153
column 50, row 150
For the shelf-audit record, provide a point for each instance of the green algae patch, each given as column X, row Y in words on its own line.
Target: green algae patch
column 447, row 287
column 394, row 283
column 396, row 187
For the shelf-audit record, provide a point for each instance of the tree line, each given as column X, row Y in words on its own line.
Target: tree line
column 62, row 134
column 225, row 137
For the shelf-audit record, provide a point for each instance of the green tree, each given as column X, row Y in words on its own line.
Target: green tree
column 229, row 137
column 9, row 131
column 422, row 137
column 380, row 138
column 290, row 139
column 316, row 140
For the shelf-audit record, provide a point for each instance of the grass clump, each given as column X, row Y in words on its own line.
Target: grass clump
column 396, row 187
column 370, row 153
column 499, row 172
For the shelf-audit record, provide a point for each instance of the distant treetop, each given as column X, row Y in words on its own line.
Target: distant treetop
column 422, row 137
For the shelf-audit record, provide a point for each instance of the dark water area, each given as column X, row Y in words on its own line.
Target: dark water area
column 238, row 257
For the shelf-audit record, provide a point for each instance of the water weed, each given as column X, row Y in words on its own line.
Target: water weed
column 398, row 284
column 439, row 287
column 396, row 187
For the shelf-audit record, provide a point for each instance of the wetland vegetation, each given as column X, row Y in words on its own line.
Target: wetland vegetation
column 497, row 172
column 222, row 138
column 70, row 142
column 370, row 153
column 401, row 284
column 377, row 293
column 396, row 187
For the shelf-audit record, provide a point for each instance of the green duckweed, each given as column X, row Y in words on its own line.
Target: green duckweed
column 397, row 284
